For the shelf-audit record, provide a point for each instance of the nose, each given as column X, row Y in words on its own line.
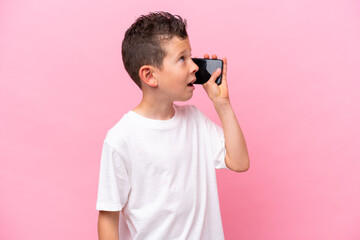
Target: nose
column 194, row 68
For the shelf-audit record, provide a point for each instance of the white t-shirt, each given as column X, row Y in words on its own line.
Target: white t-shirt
column 161, row 175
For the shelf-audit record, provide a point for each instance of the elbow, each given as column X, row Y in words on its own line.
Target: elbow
column 242, row 166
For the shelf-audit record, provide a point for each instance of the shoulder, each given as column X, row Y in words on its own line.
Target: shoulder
column 192, row 115
column 116, row 136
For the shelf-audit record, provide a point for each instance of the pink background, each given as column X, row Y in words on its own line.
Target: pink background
column 294, row 79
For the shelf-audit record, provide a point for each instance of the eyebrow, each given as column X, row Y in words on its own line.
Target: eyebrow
column 182, row 52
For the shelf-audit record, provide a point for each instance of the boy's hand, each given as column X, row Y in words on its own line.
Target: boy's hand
column 217, row 93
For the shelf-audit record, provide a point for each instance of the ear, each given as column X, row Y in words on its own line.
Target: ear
column 146, row 74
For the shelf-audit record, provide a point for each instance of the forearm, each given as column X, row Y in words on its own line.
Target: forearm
column 237, row 157
column 108, row 225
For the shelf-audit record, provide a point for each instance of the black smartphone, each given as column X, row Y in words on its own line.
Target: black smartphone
column 206, row 69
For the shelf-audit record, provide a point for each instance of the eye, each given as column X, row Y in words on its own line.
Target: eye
column 182, row 58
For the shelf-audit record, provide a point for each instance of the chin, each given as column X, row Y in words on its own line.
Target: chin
column 184, row 97
column 187, row 98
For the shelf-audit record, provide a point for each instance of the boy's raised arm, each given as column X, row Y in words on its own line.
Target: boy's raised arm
column 108, row 223
column 237, row 158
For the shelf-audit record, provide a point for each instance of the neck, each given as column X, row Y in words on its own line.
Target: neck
column 155, row 108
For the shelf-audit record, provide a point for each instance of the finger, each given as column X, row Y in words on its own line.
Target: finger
column 214, row 76
column 224, row 68
column 206, row 55
column 214, row 56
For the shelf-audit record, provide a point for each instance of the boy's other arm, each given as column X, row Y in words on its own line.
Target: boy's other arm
column 237, row 157
column 108, row 223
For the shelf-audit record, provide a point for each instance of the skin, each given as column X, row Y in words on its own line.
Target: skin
column 108, row 223
column 161, row 87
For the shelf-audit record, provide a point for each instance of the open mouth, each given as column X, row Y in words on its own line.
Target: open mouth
column 190, row 84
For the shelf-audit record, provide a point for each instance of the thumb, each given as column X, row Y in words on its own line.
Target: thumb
column 214, row 75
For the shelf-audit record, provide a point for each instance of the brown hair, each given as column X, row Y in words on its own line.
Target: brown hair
column 142, row 41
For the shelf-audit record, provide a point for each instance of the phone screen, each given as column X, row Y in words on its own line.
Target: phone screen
column 206, row 69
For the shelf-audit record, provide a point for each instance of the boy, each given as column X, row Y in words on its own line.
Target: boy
column 158, row 162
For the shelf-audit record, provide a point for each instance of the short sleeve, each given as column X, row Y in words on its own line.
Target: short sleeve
column 114, row 185
column 217, row 141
